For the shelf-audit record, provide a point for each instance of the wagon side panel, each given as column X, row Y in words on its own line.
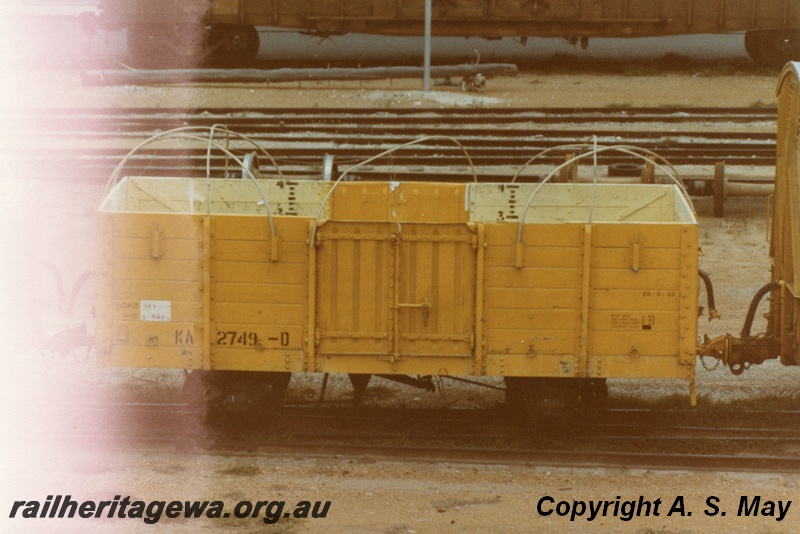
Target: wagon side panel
column 532, row 313
column 150, row 278
column 643, row 300
column 258, row 301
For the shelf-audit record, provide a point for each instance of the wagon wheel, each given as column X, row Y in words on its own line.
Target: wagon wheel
column 232, row 45
column 549, row 405
column 266, row 395
column 787, row 47
column 235, row 397
column 773, row 48
column 595, row 396
column 195, row 390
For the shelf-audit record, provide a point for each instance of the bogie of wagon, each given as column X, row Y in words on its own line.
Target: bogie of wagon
column 235, row 396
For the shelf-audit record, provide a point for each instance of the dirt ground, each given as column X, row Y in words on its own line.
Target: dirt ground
column 696, row 88
column 367, row 496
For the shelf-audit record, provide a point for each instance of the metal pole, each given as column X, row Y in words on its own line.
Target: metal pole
column 427, row 66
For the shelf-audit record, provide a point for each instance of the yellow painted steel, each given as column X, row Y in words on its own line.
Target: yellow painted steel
column 411, row 278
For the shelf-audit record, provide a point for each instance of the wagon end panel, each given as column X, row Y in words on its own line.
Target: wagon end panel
column 785, row 232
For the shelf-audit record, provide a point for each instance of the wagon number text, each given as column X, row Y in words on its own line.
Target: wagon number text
column 659, row 293
column 232, row 338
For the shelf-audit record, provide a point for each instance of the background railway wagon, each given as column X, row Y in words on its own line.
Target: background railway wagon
column 780, row 340
column 399, row 279
column 225, row 29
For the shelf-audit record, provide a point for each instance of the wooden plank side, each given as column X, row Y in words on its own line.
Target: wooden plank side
column 532, row 319
column 259, row 273
column 648, row 235
column 177, row 336
column 293, row 252
column 557, row 257
column 532, row 341
column 643, row 322
column 259, row 314
column 172, row 226
column 531, row 299
column 532, row 278
column 181, row 311
column 158, row 270
column 623, row 366
column 151, row 357
column 168, row 249
column 635, row 344
column 650, row 279
column 265, row 360
column 266, row 294
column 256, row 228
column 134, row 290
column 555, row 365
column 533, row 235
column 650, row 257
column 373, row 344
column 256, row 337
column 635, row 299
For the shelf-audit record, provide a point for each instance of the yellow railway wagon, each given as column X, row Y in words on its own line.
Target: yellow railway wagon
column 784, row 317
column 780, row 340
column 385, row 278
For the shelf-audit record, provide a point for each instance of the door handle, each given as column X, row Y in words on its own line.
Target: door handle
column 425, row 306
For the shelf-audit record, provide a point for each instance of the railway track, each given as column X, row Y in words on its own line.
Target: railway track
column 89, row 143
column 668, row 439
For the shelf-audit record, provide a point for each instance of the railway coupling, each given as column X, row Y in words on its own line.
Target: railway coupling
column 740, row 352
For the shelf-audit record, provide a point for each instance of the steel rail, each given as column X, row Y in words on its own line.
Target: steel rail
column 625, row 438
column 497, row 139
